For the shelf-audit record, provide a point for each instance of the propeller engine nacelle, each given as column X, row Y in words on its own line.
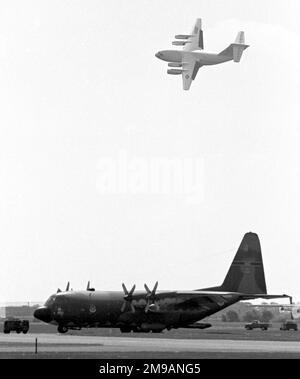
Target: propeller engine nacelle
column 153, row 308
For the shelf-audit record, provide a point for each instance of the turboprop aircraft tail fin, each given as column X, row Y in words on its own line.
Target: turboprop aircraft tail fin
column 236, row 49
column 246, row 273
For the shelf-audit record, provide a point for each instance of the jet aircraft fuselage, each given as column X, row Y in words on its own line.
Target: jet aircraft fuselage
column 205, row 58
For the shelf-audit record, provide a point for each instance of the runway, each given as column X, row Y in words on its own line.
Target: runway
column 54, row 345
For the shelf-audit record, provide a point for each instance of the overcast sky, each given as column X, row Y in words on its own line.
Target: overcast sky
column 79, row 83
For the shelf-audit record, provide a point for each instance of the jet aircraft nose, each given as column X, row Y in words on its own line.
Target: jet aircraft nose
column 43, row 314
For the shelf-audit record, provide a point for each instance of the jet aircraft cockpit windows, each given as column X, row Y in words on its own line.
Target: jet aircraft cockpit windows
column 50, row 301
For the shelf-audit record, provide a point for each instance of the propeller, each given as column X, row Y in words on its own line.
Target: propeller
column 67, row 288
column 88, row 288
column 151, row 297
column 128, row 298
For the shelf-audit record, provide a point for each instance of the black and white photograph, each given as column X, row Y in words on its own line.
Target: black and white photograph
column 149, row 182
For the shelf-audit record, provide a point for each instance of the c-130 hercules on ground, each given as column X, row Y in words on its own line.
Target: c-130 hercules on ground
column 145, row 311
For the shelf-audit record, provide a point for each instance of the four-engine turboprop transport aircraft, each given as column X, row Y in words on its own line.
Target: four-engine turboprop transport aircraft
column 152, row 310
column 188, row 61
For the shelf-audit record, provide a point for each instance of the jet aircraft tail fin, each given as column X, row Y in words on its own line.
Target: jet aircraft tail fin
column 246, row 273
column 240, row 38
column 236, row 49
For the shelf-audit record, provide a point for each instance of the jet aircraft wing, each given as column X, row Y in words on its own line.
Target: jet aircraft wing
column 190, row 68
column 195, row 40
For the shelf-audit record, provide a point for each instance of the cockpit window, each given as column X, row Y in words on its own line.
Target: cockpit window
column 50, row 301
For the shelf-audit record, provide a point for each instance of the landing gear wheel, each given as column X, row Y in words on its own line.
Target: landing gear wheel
column 62, row 329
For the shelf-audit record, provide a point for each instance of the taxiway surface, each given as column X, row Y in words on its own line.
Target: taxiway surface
column 54, row 345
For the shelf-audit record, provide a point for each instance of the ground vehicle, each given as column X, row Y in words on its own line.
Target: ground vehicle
column 16, row 325
column 257, row 325
column 289, row 325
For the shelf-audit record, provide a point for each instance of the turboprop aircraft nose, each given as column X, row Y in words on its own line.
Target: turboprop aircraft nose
column 43, row 314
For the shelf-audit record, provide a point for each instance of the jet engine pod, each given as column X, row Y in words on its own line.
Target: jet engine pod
column 183, row 36
column 174, row 72
column 175, row 64
column 180, row 43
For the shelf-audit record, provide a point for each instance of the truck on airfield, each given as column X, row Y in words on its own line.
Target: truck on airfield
column 257, row 325
column 289, row 325
column 16, row 325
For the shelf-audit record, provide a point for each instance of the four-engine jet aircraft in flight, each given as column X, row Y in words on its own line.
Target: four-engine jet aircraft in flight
column 188, row 61
column 153, row 310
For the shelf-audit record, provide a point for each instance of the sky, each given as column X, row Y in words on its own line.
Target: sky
column 81, row 91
